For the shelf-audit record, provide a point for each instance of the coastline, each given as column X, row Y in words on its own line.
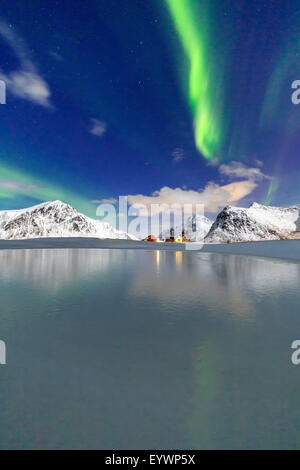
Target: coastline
column 282, row 249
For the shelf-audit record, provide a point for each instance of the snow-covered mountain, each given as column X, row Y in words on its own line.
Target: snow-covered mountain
column 195, row 228
column 57, row 219
column 257, row 222
column 53, row 219
column 201, row 224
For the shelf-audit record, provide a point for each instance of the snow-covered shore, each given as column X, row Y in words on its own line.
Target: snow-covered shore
column 284, row 249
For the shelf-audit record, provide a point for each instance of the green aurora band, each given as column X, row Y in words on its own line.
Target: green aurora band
column 273, row 187
column 18, row 184
column 204, row 83
column 278, row 113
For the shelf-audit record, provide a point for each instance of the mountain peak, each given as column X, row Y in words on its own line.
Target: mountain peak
column 53, row 219
column 56, row 203
column 257, row 222
column 256, row 204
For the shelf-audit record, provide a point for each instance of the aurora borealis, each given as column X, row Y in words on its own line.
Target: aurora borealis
column 203, row 94
column 129, row 97
column 15, row 183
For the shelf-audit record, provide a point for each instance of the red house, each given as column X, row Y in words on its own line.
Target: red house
column 151, row 238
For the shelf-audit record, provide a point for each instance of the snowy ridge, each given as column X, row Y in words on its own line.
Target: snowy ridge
column 53, row 219
column 57, row 219
column 201, row 223
column 257, row 222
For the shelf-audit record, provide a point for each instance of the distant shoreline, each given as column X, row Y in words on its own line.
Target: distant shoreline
column 282, row 249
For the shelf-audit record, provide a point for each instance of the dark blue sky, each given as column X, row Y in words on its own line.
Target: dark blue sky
column 97, row 101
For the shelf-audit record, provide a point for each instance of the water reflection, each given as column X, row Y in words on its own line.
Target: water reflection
column 131, row 349
column 212, row 278
column 180, row 276
column 158, row 260
column 56, row 268
column 178, row 259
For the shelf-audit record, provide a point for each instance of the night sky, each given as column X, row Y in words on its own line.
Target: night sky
column 186, row 99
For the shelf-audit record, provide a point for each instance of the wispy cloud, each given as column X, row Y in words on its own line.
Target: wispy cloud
column 58, row 57
column 97, row 127
column 178, row 155
column 29, row 86
column 239, row 170
column 26, row 82
column 110, row 200
column 18, row 187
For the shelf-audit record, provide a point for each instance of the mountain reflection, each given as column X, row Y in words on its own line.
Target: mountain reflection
column 54, row 268
column 208, row 279
column 160, row 274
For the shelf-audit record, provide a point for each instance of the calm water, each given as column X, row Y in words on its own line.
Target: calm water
column 130, row 349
